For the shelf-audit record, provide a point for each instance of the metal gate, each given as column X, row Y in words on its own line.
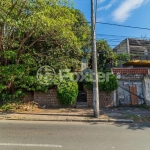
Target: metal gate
column 130, row 92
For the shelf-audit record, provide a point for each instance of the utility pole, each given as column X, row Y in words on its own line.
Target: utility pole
column 94, row 63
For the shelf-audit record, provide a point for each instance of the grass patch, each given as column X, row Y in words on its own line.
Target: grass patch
column 10, row 107
column 144, row 106
column 19, row 107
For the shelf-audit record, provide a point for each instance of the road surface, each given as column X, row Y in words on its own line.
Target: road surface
column 26, row 135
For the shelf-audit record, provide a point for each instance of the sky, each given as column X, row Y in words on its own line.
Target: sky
column 135, row 13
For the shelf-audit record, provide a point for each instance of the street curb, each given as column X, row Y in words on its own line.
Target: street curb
column 73, row 120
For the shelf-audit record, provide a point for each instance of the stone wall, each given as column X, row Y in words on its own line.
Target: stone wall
column 105, row 100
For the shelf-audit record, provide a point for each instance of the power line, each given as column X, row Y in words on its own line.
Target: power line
column 126, row 36
column 126, row 26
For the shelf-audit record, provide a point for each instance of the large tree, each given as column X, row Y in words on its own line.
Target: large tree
column 105, row 55
column 35, row 33
column 45, row 28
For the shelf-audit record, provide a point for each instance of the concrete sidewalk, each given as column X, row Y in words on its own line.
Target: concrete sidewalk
column 68, row 114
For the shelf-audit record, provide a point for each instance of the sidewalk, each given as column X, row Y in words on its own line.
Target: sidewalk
column 121, row 115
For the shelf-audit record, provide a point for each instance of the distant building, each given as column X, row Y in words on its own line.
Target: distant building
column 138, row 49
column 134, row 75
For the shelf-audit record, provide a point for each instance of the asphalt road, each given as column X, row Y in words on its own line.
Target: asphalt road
column 21, row 135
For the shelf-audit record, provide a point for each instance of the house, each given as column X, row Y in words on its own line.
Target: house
column 133, row 76
column 139, row 51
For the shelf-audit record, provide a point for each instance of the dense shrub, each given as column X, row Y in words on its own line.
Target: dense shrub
column 88, row 84
column 108, row 85
column 16, row 80
column 67, row 92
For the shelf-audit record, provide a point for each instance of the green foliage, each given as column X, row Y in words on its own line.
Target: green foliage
column 80, row 27
column 122, row 58
column 144, row 106
column 6, row 97
column 37, row 33
column 9, row 55
column 2, row 87
column 5, row 107
column 108, row 83
column 105, row 55
column 88, row 84
column 67, row 92
column 11, row 106
column 109, row 86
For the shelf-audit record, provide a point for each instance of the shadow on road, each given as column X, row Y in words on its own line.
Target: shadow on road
column 135, row 126
column 130, row 126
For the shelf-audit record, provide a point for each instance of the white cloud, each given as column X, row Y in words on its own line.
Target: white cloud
column 146, row 1
column 101, row 1
column 107, row 6
column 99, row 19
column 123, row 12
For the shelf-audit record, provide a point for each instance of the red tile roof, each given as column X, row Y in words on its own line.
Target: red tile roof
column 130, row 70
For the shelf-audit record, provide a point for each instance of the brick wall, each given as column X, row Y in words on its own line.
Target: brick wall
column 106, row 100
column 49, row 99
column 28, row 97
column 89, row 95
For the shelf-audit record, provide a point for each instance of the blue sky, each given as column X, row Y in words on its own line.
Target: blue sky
column 125, row 12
